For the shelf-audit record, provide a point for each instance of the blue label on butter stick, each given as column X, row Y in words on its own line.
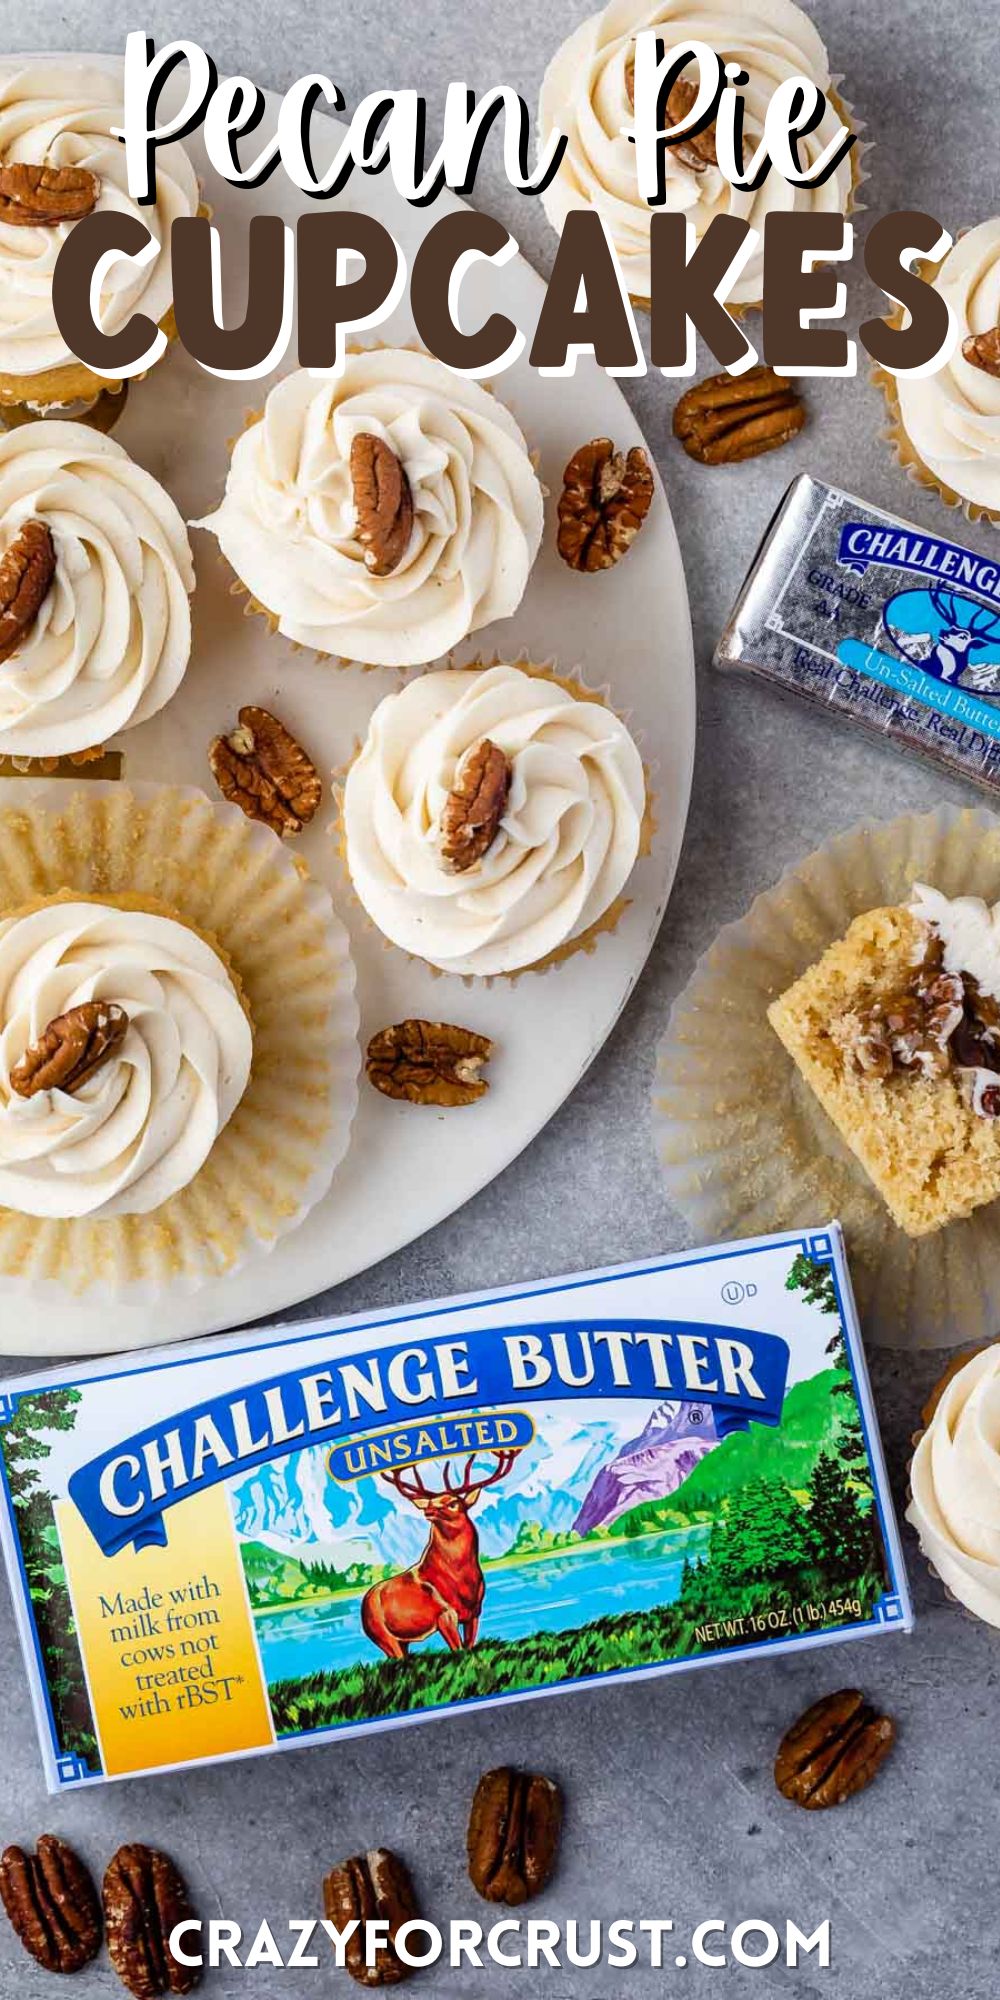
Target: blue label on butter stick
column 124, row 1494
column 917, row 685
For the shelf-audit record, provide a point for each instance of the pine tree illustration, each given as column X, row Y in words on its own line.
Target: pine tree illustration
column 24, row 1448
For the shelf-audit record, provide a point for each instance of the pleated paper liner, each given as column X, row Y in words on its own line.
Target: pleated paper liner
column 602, row 926
column 745, row 1146
column 230, row 879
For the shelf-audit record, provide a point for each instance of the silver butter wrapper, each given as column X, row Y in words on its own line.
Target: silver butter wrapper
column 884, row 624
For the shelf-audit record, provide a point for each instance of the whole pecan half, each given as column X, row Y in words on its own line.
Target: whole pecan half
column 697, row 150
column 513, row 1836
column 52, row 1903
column 26, row 571
column 33, row 195
column 833, row 1750
column 731, row 417
column 428, row 1062
column 73, row 1047
column 144, row 1897
column 605, row 499
column 383, row 503
column 261, row 768
column 983, row 350
column 371, row 1887
column 473, row 809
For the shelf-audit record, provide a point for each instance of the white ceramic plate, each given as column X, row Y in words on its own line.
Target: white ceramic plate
column 628, row 629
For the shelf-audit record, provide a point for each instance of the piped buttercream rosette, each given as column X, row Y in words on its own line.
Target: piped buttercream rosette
column 955, row 1483
column 586, row 95
column 563, row 839
column 945, row 427
column 111, row 639
column 289, row 526
column 217, row 1118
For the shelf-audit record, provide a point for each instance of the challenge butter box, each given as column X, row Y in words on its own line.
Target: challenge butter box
column 243, row 1544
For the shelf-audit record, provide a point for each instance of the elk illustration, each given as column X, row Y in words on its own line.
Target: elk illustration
column 950, row 655
column 442, row 1592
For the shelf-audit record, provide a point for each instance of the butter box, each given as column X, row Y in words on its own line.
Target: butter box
column 244, row 1544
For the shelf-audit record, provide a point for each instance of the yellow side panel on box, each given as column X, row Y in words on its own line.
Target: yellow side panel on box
column 167, row 1640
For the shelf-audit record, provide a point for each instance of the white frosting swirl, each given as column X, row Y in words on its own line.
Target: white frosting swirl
column 144, row 1123
column 112, row 637
column 955, row 1486
column 969, row 931
column 584, row 95
column 287, row 522
column 952, row 418
column 60, row 113
column 566, row 843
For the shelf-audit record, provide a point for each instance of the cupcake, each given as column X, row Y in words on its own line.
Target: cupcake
column 99, row 635
column 492, row 818
column 384, row 515
column 946, row 426
column 59, row 115
column 955, row 1483
column 896, row 1029
column 178, row 1040
column 587, row 94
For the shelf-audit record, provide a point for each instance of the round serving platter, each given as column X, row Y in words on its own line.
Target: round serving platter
column 626, row 630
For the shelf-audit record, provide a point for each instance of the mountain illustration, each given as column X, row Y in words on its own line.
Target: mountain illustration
column 650, row 1466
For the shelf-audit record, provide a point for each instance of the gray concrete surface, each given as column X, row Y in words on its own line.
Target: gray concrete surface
column 671, row 1809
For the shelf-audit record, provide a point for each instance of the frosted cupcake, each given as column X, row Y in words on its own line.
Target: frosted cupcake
column 98, row 633
column 587, row 93
column 384, row 515
column 946, row 426
column 955, row 1483
column 178, row 1039
column 58, row 163
column 493, row 818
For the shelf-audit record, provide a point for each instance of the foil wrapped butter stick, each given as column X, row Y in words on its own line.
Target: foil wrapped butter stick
column 885, row 624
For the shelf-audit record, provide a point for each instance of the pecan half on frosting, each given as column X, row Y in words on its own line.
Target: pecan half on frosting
column 605, row 499
column 697, row 149
column 26, row 573
column 261, row 768
column 728, row 418
column 473, row 809
column 73, row 1047
column 35, row 196
column 429, row 1062
column 383, row 503
column 983, row 350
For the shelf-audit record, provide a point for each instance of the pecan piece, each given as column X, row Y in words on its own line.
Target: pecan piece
column 605, row 499
column 26, row 571
column 371, row 1887
column 513, row 1836
column 728, row 418
column 473, row 809
column 144, row 1897
column 73, row 1047
column 383, row 503
column 983, row 350
column 52, row 1903
column 833, row 1750
column 34, row 196
column 428, row 1062
column 261, row 768
column 696, row 149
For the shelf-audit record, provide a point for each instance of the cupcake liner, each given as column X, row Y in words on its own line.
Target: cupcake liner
column 746, row 1147
column 588, row 940
column 231, row 880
